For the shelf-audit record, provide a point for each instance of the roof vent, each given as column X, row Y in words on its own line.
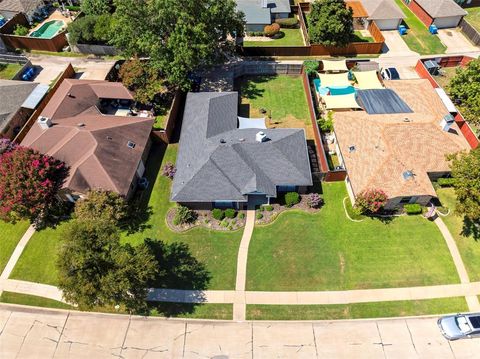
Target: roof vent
column 109, row 138
column 260, row 136
column 352, row 148
column 406, row 119
column 80, row 124
column 447, row 122
column 131, row 144
column 70, row 95
column 241, row 140
column 222, row 140
column 44, row 122
column 408, row 175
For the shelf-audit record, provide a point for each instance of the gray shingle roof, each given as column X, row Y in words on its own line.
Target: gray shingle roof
column 217, row 161
column 382, row 9
column 256, row 14
column 441, row 8
column 12, row 95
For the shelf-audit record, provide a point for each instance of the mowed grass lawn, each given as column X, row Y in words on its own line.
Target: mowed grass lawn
column 282, row 97
column 7, row 71
column 286, row 37
column 468, row 245
column 418, row 37
column 217, row 250
column 473, row 17
column 10, row 235
column 357, row 310
column 326, row 251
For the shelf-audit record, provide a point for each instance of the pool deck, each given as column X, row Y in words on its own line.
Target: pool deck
column 56, row 15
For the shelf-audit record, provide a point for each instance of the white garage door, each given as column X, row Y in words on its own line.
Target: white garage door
column 447, row 22
column 390, row 24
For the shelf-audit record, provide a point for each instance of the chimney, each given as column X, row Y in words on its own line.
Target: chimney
column 261, row 136
column 264, row 3
column 44, row 122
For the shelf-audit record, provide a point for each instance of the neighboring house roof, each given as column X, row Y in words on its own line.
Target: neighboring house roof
column 24, row 6
column 219, row 162
column 386, row 146
column 382, row 9
column 441, row 8
column 256, row 14
column 92, row 144
column 12, row 96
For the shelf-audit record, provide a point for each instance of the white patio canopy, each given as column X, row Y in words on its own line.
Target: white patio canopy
column 335, row 65
column 334, row 80
column 244, row 122
column 338, row 102
column 368, row 80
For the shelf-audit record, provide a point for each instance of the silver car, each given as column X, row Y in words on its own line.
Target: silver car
column 460, row 326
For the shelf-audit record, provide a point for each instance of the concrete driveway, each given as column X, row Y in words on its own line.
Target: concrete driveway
column 395, row 46
column 455, row 41
column 41, row 333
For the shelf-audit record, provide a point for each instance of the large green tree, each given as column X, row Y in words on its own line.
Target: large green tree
column 96, row 270
column 96, row 7
column 177, row 36
column 466, row 171
column 330, row 23
column 102, row 205
column 464, row 88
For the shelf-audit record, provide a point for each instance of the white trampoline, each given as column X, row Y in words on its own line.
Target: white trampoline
column 244, row 123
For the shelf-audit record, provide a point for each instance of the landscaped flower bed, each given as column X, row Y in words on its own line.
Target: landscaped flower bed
column 205, row 219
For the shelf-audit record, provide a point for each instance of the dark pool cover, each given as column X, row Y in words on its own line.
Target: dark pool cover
column 381, row 101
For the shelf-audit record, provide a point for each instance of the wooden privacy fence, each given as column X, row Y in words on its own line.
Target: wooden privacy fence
column 69, row 72
column 174, row 113
column 55, row 44
column 470, row 32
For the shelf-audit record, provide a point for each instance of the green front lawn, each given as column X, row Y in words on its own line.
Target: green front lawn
column 326, row 251
column 286, row 37
column 473, row 17
column 10, row 235
column 217, row 250
column 468, row 245
column 32, row 300
column 195, row 311
column 357, row 310
column 418, row 38
column 7, row 71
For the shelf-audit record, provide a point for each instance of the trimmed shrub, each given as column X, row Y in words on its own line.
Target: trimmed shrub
column 255, row 33
column 310, row 66
column 314, row 200
column 271, row 30
column 184, row 215
column 20, row 30
column 218, row 214
column 291, row 198
column 259, row 215
column 446, row 182
column 241, row 215
column 230, row 213
column 288, row 23
column 371, row 201
column 169, row 170
column 72, row 8
column 267, row 207
column 414, row 208
column 224, row 223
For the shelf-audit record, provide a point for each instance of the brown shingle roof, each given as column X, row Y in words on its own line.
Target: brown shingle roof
column 97, row 151
column 20, row 5
column 386, row 145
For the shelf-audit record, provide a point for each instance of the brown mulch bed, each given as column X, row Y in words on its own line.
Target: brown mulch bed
column 206, row 220
column 270, row 216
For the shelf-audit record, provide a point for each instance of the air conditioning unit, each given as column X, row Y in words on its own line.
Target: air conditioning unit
column 44, row 122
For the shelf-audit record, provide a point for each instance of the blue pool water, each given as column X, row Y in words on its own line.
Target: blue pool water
column 332, row 90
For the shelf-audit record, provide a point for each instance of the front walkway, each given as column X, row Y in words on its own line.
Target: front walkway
column 16, row 254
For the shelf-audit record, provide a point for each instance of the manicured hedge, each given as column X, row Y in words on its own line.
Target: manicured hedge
column 230, row 213
column 218, row 214
column 414, row 208
column 289, row 23
column 446, row 182
column 291, row 198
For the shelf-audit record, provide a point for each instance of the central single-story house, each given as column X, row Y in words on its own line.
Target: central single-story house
column 386, row 13
column 224, row 161
column 260, row 13
column 441, row 13
column 399, row 153
column 18, row 100
column 88, row 124
column 10, row 8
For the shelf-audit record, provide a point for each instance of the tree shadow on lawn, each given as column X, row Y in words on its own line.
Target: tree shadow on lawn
column 248, row 85
column 471, row 228
column 139, row 210
column 178, row 269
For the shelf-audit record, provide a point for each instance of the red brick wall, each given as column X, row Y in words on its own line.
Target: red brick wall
column 421, row 14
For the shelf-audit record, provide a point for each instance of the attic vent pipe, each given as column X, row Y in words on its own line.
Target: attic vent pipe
column 222, row 140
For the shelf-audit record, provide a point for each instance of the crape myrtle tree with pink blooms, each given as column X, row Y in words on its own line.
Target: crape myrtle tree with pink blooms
column 371, row 201
column 29, row 183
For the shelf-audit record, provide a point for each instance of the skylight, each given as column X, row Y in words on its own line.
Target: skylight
column 131, row 144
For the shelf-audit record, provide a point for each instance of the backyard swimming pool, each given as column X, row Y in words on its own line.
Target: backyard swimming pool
column 48, row 30
column 332, row 90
